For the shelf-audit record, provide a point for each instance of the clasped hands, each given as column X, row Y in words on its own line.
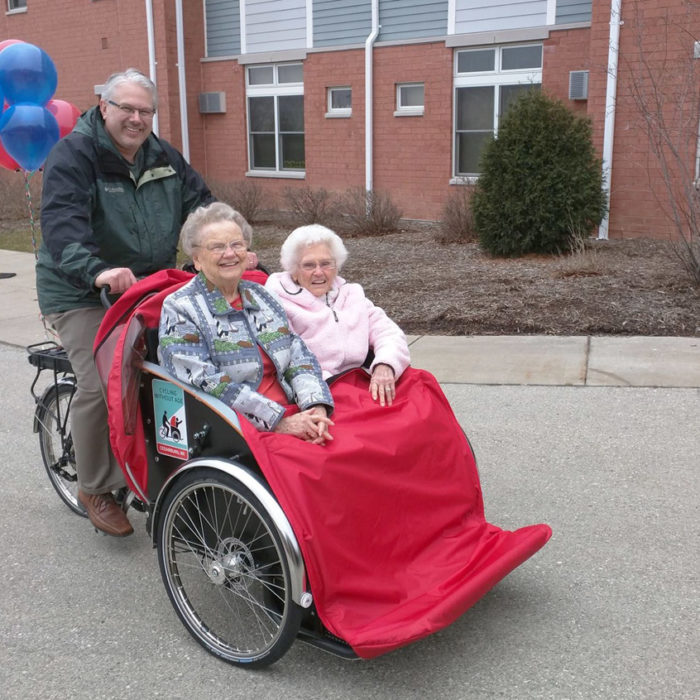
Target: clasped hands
column 310, row 425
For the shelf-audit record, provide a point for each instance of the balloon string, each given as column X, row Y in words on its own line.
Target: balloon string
column 48, row 331
column 30, row 208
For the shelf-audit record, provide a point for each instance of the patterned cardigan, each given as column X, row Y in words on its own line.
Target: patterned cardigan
column 205, row 342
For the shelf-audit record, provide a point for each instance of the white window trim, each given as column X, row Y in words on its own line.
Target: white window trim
column 414, row 111
column 275, row 84
column 275, row 90
column 493, row 78
column 15, row 10
column 337, row 112
column 288, row 174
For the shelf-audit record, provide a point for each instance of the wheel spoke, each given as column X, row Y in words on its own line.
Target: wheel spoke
column 223, row 565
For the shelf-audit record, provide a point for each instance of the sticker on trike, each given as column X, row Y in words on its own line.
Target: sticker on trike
column 170, row 419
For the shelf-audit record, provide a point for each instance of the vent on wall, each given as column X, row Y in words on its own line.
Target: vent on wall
column 212, row 102
column 578, row 85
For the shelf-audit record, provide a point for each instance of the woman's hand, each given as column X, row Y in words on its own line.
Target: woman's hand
column 382, row 386
column 310, row 425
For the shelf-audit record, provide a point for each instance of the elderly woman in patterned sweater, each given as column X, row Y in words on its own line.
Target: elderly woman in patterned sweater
column 339, row 324
column 231, row 338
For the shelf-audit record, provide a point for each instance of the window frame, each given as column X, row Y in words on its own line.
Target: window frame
column 276, row 89
column 409, row 110
column 337, row 112
column 17, row 9
column 495, row 79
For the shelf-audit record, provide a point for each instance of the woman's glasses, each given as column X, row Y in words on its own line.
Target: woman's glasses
column 323, row 264
column 220, row 248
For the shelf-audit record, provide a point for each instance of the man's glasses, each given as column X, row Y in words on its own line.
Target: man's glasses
column 220, row 248
column 323, row 264
column 128, row 109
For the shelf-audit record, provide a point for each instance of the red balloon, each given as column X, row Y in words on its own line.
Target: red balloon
column 66, row 115
column 6, row 160
column 9, row 42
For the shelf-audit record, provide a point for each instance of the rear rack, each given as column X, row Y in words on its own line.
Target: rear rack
column 49, row 355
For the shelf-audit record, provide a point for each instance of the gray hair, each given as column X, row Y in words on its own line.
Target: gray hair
column 130, row 75
column 303, row 237
column 211, row 214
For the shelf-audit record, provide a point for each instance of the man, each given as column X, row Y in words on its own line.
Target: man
column 114, row 198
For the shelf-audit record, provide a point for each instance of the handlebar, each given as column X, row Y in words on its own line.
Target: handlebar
column 104, row 296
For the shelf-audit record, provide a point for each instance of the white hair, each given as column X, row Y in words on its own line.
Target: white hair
column 211, row 214
column 305, row 236
column 130, row 75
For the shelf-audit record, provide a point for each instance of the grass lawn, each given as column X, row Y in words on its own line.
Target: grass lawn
column 17, row 235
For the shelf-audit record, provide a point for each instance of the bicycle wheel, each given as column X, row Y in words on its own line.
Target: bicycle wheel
column 223, row 565
column 57, row 453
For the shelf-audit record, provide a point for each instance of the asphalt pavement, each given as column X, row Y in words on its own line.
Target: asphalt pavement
column 595, row 436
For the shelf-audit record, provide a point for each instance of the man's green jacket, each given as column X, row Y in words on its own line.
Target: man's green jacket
column 98, row 213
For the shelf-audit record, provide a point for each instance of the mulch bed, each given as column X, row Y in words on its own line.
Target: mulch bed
column 616, row 287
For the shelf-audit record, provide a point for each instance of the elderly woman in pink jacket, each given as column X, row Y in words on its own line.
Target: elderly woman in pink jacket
column 338, row 323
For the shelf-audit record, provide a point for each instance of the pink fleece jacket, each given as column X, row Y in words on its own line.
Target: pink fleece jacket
column 341, row 326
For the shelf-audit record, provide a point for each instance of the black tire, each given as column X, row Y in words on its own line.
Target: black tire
column 223, row 565
column 58, row 454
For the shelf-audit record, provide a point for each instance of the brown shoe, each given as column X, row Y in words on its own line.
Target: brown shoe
column 105, row 514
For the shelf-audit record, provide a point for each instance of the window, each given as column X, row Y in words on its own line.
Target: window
column 487, row 81
column 275, row 96
column 339, row 102
column 16, row 5
column 410, row 99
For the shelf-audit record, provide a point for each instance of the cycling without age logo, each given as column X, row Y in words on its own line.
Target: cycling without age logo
column 171, row 422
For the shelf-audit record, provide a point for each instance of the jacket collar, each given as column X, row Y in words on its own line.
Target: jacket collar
column 91, row 124
column 215, row 299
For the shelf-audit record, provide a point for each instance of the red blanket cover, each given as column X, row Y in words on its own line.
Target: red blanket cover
column 389, row 515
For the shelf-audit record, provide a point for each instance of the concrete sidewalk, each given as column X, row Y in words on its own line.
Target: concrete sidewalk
column 505, row 360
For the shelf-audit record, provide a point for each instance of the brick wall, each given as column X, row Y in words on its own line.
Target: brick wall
column 659, row 36
column 86, row 41
column 412, row 155
column 225, row 139
column 563, row 52
column 335, row 148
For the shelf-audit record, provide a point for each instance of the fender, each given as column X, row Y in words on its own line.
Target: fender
column 41, row 403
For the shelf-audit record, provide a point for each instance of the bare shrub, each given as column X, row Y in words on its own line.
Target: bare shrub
column 245, row 196
column 665, row 88
column 457, row 220
column 367, row 213
column 583, row 260
column 311, row 206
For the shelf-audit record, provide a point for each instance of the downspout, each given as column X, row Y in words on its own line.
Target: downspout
column 696, row 181
column 610, row 100
column 369, row 96
column 150, row 33
column 182, row 85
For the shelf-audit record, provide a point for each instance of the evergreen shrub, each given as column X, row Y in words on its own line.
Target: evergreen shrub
column 540, row 188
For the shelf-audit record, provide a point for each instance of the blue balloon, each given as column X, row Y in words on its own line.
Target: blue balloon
column 27, row 74
column 28, row 132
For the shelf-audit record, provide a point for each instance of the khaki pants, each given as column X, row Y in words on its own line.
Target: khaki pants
column 97, row 468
